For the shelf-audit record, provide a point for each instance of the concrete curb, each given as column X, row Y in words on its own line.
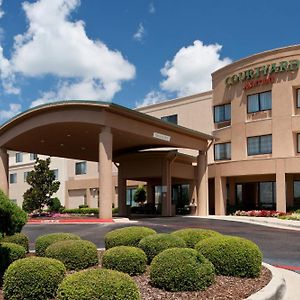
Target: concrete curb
column 274, row 290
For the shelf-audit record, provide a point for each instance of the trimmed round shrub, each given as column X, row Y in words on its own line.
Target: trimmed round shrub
column 131, row 260
column 194, row 235
column 180, row 269
column 127, row 236
column 18, row 238
column 33, row 278
column 98, row 284
column 9, row 252
column 74, row 254
column 232, row 256
column 154, row 244
column 43, row 241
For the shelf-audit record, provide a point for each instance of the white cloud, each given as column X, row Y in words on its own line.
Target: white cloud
column 1, row 10
column 190, row 70
column 13, row 110
column 57, row 46
column 152, row 97
column 82, row 90
column 140, row 33
column 151, row 8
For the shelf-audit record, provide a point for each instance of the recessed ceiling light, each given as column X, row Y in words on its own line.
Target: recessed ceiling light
column 42, row 141
column 68, row 135
column 61, row 145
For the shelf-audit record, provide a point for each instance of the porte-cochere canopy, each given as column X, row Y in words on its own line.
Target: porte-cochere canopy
column 93, row 131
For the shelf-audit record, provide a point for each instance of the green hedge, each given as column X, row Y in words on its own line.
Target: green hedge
column 154, row 244
column 74, row 254
column 181, row 269
column 33, row 278
column 194, row 235
column 98, row 284
column 125, row 259
column 19, row 239
column 43, row 241
column 232, row 256
column 81, row 211
column 127, row 236
column 9, row 252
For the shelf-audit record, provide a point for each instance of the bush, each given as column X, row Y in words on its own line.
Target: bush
column 125, row 259
column 12, row 217
column 33, row 278
column 10, row 252
column 127, row 236
column 154, row 244
column 43, row 241
column 75, row 255
column 232, row 256
column 83, row 206
column 193, row 235
column 81, row 211
column 98, row 284
column 180, row 269
column 54, row 205
column 19, row 239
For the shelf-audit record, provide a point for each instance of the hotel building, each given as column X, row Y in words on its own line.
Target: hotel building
column 253, row 113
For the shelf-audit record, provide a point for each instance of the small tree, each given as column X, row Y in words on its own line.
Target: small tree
column 140, row 194
column 12, row 217
column 43, row 186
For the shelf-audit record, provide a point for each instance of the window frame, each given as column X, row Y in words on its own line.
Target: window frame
column 223, row 144
column 13, row 175
column 259, row 103
column 166, row 118
column 33, row 156
column 19, row 157
column 259, row 137
column 80, row 163
column 224, row 114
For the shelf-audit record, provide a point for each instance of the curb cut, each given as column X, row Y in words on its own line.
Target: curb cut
column 274, row 290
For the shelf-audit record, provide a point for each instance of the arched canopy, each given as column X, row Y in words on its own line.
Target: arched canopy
column 71, row 129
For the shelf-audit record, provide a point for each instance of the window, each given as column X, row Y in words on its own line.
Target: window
column 25, row 176
column 13, row 178
column 19, row 157
column 170, row 119
column 80, row 168
column 33, row 156
column 298, row 142
column 259, row 144
column 55, row 171
column 267, row 195
column 222, row 113
column 259, row 102
column 222, row 151
column 296, row 194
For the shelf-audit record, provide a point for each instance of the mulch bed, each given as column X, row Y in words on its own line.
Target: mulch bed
column 224, row 288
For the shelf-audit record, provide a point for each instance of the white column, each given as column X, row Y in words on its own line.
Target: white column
column 4, row 171
column 105, row 173
column 220, row 195
column 202, row 185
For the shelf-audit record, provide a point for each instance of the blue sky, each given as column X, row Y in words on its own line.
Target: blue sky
column 130, row 52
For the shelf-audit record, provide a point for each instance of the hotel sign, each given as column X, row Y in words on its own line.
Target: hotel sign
column 262, row 74
column 161, row 136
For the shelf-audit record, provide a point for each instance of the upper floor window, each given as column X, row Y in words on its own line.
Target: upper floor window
column 259, row 102
column 170, row 119
column 222, row 113
column 13, row 178
column 33, row 156
column 55, row 171
column 259, row 144
column 80, row 168
column 222, row 151
column 19, row 157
